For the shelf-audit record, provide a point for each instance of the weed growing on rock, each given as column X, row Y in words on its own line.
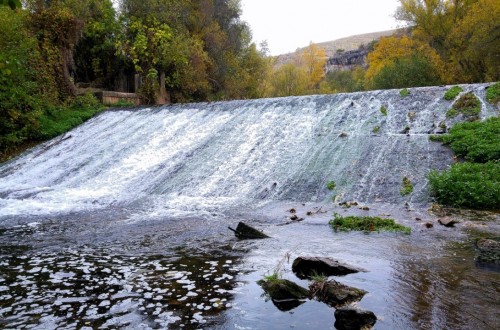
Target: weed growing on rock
column 376, row 129
column 493, row 93
column 452, row 93
column 407, row 187
column 467, row 105
column 404, row 92
column 331, row 185
column 383, row 110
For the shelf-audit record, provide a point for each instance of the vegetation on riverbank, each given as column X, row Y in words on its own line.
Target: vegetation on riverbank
column 366, row 223
column 474, row 183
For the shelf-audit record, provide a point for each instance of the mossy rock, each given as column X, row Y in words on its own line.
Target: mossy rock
column 335, row 294
column 282, row 289
column 489, row 250
column 468, row 105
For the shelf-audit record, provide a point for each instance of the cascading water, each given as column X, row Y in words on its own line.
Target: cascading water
column 212, row 157
column 122, row 222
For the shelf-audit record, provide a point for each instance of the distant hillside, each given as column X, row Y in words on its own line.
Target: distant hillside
column 330, row 47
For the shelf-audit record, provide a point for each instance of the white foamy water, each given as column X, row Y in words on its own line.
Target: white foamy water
column 208, row 158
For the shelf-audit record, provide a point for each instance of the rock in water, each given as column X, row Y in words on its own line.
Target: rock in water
column 447, row 222
column 281, row 289
column 244, row 231
column 348, row 318
column 334, row 293
column 305, row 267
column 489, row 250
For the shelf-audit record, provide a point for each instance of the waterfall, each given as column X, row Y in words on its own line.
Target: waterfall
column 214, row 157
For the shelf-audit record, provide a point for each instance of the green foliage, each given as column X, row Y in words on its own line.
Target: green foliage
column 274, row 277
column 452, row 93
column 58, row 120
column 376, row 129
column 493, row 93
column 345, row 81
column 383, row 110
column 123, row 103
column 366, row 223
column 331, row 185
column 475, row 141
column 406, row 187
column 318, row 277
column 404, row 92
column 470, row 185
column 410, row 71
column 467, row 105
column 13, row 4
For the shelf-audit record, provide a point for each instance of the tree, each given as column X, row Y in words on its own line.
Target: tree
column 404, row 52
column 313, row 60
column 289, row 80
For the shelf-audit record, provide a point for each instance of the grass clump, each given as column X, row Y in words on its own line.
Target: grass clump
column 467, row 105
column 406, row 187
column 452, row 93
column 331, row 185
column 470, row 185
column 493, row 93
column 376, row 129
column 475, row 141
column 404, row 92
column 366, row 223
column 383, row 110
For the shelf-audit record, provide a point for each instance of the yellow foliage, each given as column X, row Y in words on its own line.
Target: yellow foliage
column 313, row 60
column 389, row 49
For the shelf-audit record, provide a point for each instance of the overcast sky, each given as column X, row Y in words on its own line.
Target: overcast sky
column 290, row 24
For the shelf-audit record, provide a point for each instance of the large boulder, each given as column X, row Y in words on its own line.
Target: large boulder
column 348, row 318
column 305, row 267
column 335, row 294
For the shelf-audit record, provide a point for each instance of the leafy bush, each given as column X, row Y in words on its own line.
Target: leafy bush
column 365, row 223
column 452, row 93
column 493, row 93
column 468, row 105
column 475, row 141
column 469, row 185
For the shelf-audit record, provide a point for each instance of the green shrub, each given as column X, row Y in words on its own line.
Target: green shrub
column 468, row 105
column 452, row 93
column 471, row 185
column 331, row 185
column 493, row 93
column 475, row 141
column 383, row 110
column 404, row 92
column 365, row 223
column 406, row 187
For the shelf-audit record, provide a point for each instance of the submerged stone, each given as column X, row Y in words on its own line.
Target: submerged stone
column 334, row 293
column 305, row 267
column 348, row 318
column 447, row 222
column 489, row 250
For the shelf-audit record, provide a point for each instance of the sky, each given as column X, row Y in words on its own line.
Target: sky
column 290, row 24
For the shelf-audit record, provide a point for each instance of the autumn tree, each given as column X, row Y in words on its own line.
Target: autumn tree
column 313, row 60
column 403, row 55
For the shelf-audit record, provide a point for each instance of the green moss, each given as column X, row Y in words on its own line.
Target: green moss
column 383, row 110
column 376, row 129
column 436, row 137
column 331, row 185
column 493, row 93
column 452, row 93
column 404, row 92
column 366, row 223
column 406, row 187
column 467, row 105
column 471, row 185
